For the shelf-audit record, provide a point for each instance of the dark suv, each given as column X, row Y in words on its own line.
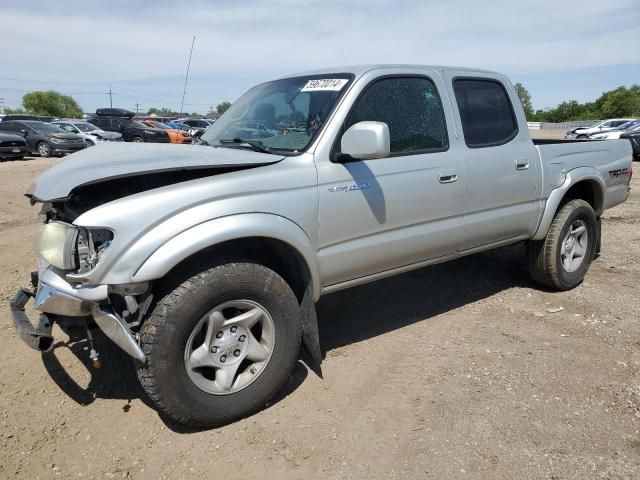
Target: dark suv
column 634, row 138
column 44, row 138
column 122, row 121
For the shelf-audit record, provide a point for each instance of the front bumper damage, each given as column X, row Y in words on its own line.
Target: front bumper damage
column 57, row 297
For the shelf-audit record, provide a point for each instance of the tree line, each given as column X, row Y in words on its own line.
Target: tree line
column 621, row 102
column 54, row 104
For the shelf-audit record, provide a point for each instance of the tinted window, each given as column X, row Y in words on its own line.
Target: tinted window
column 100, row 122
column 486, row 112
column 44, row 127
column 410, row 107
column 8, row 126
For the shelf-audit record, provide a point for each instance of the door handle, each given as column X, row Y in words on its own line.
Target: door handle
column 522, row 165
column 448, row 177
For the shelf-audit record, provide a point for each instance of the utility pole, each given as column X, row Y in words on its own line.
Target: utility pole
column 137, row 107
column 110, row 98
column 184, row 91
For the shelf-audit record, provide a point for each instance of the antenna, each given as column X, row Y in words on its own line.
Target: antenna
column 184, row 91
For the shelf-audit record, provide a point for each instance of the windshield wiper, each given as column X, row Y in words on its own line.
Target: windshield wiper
column 255, row 144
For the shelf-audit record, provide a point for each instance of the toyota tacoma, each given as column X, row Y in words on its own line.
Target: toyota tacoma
column 204, row 262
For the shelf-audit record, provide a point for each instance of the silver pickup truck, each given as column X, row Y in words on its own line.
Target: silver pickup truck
column 204, row 262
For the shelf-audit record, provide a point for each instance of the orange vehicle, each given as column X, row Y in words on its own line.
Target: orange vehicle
column 175, row 135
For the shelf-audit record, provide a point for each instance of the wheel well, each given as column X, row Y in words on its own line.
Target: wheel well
column 587, row 190
column 277, row 255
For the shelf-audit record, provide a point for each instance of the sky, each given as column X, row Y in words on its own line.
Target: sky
column 139, row 49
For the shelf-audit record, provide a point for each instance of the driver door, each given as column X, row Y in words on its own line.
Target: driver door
column 381, row 214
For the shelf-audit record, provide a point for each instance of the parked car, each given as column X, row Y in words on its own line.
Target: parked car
column 605, row 125
column 630, row 126
column 634, row 138
column 12, row 147
column 43, row 138
column 179, row 126
column 204, row 262
column 197, row 123
column 122, row 121
column 176, row 135
column 92, row 135
column 197, row 126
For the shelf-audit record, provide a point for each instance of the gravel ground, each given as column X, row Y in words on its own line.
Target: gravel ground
column 461, row 370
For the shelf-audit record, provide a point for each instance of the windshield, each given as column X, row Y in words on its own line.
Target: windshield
column 86, row 127
column 45, row 127
column 282, row 115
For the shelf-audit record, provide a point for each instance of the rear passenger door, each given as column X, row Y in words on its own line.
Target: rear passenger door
column 503, row 170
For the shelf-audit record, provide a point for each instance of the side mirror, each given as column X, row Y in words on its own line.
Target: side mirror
column 366, row 140
column 24, row 132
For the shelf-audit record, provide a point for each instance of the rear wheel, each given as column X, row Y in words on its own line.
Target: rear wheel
column 44, row 149
column 220, row 344
column 137, row 139
column 562, row 259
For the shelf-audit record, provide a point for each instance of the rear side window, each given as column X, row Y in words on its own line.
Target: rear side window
column 411, row 108
column 486, row 112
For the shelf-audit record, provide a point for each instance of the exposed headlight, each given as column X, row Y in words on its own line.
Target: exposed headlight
column 56, row 140
column 92, row 245
column 55, row 244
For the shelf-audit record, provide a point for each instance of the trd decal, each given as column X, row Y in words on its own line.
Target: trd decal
column 621, row 172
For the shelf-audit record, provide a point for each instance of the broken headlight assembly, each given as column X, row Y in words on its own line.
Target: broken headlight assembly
column 92, row 245
column 72, row 248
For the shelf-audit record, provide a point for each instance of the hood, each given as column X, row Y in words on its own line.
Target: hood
column 8, row 137
column 105, row 135
column 117, row 160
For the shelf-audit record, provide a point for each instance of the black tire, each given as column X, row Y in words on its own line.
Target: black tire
column 137, row 139
column 164, row 337
column 545, row 256
column 44, row 149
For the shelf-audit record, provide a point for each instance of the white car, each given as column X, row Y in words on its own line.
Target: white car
column 89, row 132
column 603, row 126
column 632, row 126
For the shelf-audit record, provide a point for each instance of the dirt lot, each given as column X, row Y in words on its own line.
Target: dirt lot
column 456, row 371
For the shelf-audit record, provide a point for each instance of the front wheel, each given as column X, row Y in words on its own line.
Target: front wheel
column 137, row 139
column 44, row 149
column 562, row 259
column 220, row 344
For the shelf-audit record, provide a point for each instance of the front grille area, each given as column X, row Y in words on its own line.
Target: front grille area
column 12, row 143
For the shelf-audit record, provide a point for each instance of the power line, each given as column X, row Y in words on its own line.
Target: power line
column 184, row 91
column 63, row 93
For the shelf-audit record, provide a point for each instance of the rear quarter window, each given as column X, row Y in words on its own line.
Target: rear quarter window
column 486, row 112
